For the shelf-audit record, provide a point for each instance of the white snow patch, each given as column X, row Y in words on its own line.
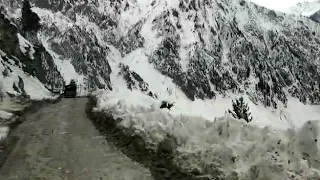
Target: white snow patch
column 282, row 5
column 5, row 115
column 64, row 66
column 143, row 3
column 4, row 131
column 57, row 19
column 15, row 14
column 26, row 46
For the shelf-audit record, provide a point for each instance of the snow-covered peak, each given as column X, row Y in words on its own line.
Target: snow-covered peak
column 282, row 5
column 305, row 8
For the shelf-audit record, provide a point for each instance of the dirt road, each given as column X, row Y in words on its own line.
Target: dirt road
column 59, row 143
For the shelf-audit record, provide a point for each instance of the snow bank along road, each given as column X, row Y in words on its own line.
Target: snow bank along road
column 59, row 142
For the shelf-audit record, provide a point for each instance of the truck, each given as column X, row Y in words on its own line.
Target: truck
column 70, row 90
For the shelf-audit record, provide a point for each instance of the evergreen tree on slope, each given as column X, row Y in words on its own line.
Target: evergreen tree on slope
column 240, row 110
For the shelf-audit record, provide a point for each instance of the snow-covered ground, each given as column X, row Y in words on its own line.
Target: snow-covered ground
column 4, row 131
column 282, row 5
column 5, row 115
column 266, row 148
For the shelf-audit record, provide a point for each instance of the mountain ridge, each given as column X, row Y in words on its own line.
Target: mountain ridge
column 305, row 8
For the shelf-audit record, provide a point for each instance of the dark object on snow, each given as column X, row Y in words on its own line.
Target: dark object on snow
column 167, row 105
column 70, row 91
column 240, row 110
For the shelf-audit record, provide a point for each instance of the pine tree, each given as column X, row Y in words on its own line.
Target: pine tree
column 241, row 110
column 30, row 20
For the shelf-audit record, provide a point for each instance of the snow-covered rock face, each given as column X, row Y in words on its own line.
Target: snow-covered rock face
column 305, row 8
column 25, row 67
column 309, row 9
column 205, row 47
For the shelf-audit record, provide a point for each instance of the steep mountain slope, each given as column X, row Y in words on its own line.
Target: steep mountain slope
column 309, row 9
column 207, row 48
column 316, row 16
column 25, row 68
column 305, row 8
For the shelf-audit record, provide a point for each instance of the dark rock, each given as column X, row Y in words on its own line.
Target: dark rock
column 165, row 104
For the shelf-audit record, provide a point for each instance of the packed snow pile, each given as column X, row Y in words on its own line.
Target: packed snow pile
column 4, row 131
column 5, row 115
column 223, row 146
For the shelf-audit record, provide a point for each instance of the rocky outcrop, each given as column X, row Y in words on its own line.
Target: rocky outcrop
column 134, row 80
column 316, row 17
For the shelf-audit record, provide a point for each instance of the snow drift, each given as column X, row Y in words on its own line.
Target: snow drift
column 223, row 146
column 4, row 131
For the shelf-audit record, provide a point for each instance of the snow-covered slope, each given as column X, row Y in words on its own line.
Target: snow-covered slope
column 308, row 9
column 25, row 67
column 305, row 8
column 15, row 82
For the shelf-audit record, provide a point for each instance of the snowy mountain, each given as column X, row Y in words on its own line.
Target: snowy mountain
column 309, row 9
column 206, row 48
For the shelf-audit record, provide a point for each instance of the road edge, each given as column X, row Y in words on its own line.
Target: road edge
column 7, row 145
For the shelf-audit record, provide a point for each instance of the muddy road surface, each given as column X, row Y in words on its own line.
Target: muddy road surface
column 59, row 142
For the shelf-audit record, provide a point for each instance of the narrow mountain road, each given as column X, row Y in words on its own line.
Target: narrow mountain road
column 59, row 143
